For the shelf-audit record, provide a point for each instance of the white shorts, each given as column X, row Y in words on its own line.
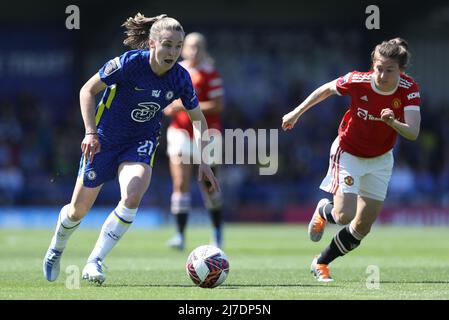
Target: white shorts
column 180, row 144
column 367, row 177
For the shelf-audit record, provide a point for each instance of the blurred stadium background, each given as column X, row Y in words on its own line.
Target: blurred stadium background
column 271, row 56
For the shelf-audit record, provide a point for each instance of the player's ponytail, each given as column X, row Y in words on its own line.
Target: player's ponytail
column 400, row 42
column 396, row 49
column 140, row 29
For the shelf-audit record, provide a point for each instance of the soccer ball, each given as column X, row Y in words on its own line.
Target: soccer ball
column 207, row 266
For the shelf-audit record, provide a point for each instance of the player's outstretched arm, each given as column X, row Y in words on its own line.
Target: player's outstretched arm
column 326, row 90
column 90, row 144
column 200, row 132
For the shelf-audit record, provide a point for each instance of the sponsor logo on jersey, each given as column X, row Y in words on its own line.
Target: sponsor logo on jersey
column 349, row 180
column 145, row 112
column 91, row 175
column 413, row 95
column 362, row 113
column 396, row 103
column 156, row 93
column 364, row 98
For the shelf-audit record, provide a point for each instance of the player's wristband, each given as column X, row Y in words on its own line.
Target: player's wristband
column 91, row 133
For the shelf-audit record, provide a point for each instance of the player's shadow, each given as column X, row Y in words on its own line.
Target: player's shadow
column 403, row 281
column 239, row 286
column 416, row 282
column 224, row 286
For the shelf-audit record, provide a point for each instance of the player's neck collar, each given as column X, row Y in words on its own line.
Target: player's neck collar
column 384, row 93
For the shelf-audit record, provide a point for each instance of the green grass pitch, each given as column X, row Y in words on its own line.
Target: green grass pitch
column 267, row 261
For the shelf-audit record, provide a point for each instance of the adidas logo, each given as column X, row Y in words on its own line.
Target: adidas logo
column 364, row 98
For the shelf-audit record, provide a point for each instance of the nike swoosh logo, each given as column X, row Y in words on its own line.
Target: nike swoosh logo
column 138, row 89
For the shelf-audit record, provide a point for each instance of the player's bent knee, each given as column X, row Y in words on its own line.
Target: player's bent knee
column 76, row 213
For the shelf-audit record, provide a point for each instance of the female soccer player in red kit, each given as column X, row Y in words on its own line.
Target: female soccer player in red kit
column 384, row 102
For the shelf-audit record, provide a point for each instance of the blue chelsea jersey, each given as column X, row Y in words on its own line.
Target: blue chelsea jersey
column 131, row 107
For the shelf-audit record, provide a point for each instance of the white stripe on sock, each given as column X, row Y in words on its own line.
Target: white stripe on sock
column 355, row 234
column 340, row 245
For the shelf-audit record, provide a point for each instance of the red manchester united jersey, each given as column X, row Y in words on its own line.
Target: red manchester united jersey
column 361, row 131
column 208, row 85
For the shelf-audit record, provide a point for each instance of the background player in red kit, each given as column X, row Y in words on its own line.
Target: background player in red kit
column 209, row 89
column 384, row 102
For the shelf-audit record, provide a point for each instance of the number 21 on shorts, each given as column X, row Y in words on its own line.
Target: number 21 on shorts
column 146, row 147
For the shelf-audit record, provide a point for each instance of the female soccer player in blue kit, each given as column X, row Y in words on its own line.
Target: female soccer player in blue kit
column 122, row 134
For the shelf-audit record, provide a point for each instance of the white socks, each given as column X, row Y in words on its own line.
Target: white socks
column 115, row 226
column 64, row 229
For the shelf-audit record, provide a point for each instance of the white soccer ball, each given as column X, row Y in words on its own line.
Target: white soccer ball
column 207, row 266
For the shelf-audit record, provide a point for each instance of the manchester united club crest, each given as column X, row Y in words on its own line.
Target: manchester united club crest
column 349, row 180
column 396, row 103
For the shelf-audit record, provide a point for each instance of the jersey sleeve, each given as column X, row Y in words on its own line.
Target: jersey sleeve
column 413, row 99
column 187, row 92
column 343, row 84
column 116, row 70
column 112, row 71
column 214, row 86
